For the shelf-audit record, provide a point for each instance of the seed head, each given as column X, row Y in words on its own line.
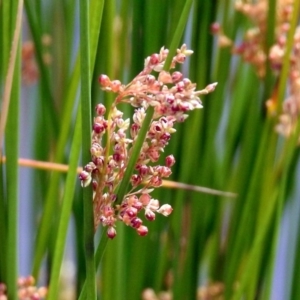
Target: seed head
column 172, row 97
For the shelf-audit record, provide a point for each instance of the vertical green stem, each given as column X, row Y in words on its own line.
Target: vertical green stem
column 11, row 98
column 178, row 32
column 12, row 172
column 88, row 226
column 65, row 211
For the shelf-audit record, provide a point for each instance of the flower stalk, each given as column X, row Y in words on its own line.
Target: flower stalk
column 123, row 171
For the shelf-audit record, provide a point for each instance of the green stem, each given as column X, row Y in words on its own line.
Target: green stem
column 12, row 92
column 123, row 186
column 88, row 223
column 65, row 211
column 178, row 33
column 50, row 205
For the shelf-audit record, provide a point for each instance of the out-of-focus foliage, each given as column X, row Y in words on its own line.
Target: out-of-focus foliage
column 245, row 140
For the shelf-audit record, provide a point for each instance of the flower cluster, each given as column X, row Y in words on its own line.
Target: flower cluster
column 172, row 96
column 26, row 290
column 291, row 106
column 253, row 50
column 30, row 72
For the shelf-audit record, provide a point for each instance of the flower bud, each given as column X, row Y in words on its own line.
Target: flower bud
column 98, row 128
column 100, row 109
column 165, row 77
column 131, row 212
column 136, row 222
column 142, row 230
column 211, row 87
column 156, row 181
column 90, row 167
column 85, row 178
column 215, row 28
column 154, row 59
column 136, row 180
column 104, row 80
column 115, row 85
column 145, row 199
column 153, row 204
column 150, row 215
column 111, row 232
column 165, row 210
column 176, row 76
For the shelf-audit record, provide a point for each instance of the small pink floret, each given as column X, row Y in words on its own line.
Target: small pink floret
column 165, row 210
column 111, row 232
column 104, row 80
column 142, row 230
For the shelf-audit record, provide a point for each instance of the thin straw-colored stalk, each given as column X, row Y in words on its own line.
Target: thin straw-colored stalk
column 50, row 166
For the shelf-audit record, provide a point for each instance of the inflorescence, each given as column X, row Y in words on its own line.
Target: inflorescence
column 253, row 50
column 172, row 96
column 27, row 290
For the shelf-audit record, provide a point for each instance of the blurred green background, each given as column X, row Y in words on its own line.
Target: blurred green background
column 210, row 247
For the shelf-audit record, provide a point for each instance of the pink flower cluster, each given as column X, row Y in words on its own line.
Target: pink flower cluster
column 26, row 290
column 172, row 96
column 253, row 50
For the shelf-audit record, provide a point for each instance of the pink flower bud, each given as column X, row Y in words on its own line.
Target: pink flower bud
column 98, row 128
column 170, row 99
column 215, row 28
column 156, row 181
column 104, row 80
column 180, row 58
column 35, row 296
column 165, row 171
column 211, row 87
column 136, row 222
column 170, row 161
column 153, row 204
column 150, row 79
column 142, row 230
column 143, row 170
column 115, row 85
column 85, row 178
column 111, row 232
column 176, row 76
column 180, row 86
column 108, row 211
column 150, row 215
column 165, row 210
column 131, row 212
column 90, row 167
column 154, row 59
column 94, row 185
column 186, row 82
column 134, row 130
column 165, row 77
column 138, row 205
column 100, row 109
column 136, row 180
column 145, row 199
column 118, row 157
